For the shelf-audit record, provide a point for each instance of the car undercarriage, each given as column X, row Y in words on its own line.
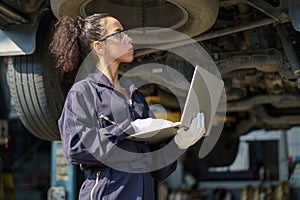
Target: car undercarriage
column 255, row 45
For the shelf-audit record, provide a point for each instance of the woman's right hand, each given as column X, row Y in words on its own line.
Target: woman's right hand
column 149, row 124
column 187, row 137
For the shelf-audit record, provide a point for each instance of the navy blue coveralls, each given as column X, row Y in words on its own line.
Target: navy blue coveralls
column 89, row 139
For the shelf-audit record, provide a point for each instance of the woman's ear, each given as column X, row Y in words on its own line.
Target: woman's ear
column 98, row 47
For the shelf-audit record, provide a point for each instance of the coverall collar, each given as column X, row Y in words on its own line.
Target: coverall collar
column 97, row 76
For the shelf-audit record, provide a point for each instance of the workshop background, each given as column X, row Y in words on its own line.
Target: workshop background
column 253, row 44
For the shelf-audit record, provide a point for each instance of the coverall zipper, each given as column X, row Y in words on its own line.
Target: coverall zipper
column 130, row 104
column 97, row 180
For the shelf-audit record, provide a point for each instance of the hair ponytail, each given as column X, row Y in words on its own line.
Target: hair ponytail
column 72, row 38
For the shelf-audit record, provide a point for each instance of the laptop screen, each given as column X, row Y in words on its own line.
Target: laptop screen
column 203, row 96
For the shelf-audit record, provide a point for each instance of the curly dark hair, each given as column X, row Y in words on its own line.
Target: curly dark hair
column 72, row 38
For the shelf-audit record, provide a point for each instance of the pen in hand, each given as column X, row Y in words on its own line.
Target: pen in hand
column 107, row 119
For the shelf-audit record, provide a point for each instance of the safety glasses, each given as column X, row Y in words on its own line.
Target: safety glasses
column 119, row 35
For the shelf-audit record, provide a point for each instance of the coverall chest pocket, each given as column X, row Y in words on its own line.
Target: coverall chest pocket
column 112, row 112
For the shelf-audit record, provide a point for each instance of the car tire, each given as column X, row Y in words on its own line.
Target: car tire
column 202, row 14
column 35, row 88
column 4, row 94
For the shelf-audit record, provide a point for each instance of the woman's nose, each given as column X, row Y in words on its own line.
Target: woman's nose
column 127, row 39
column 130, row 40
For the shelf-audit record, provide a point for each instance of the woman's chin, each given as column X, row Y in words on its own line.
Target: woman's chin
column 127, row 59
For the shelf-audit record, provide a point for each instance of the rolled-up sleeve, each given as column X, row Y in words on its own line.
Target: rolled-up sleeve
column 84, row 141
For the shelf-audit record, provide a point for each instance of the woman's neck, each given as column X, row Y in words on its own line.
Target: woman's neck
column 111, row 72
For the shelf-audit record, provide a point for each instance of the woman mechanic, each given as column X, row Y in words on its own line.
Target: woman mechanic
column 90, row 130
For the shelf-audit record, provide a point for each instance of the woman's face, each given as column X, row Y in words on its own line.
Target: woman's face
column 117, row 48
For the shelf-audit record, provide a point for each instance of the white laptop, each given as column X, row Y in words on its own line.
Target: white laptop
column 203, row 96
